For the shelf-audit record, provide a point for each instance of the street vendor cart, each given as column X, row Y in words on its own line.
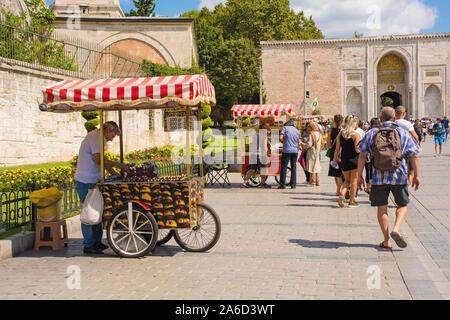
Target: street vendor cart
column 274, row 115
column 143, row 209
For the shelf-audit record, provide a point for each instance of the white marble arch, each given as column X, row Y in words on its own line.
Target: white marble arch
column 354, row 103
column 409, row 76
column 433, row 102
column 154, row 43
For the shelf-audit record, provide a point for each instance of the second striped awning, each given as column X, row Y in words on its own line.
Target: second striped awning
column 262, row 110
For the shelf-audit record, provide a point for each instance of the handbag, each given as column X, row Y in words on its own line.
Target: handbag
column 92, row 208
column 302, row 159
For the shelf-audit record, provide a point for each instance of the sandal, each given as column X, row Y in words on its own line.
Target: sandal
column 381, row 245
column 398, row 239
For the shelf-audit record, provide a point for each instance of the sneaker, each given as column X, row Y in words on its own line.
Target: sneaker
column 282, row 187
column 347, row 195
column 265, row 186
column 92, row 250
column 341, row 201
column 353, row 205
column 245, row 185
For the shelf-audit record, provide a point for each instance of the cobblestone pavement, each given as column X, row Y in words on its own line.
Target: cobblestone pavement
column 275, row 244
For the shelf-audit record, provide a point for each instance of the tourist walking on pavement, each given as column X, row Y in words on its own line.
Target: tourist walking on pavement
column 347, row 155
column 389, row 172
column 313, row 144
column 445, row 124
column 374, row 123
column 259, row 153
column 331, row 145
column 439, row 133
column 419, row 130
column 88, row 173
column 290, row 137
column 400, row 114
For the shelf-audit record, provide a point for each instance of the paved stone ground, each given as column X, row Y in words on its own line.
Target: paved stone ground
column 275, row 244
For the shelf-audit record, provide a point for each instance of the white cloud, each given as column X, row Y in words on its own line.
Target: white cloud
column 341, row 18
column 210, row 4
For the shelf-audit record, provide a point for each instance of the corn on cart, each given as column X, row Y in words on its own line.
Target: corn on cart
column 274, row 115
column 143, row 209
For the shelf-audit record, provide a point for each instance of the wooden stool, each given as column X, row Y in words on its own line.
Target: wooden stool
column 52, row 234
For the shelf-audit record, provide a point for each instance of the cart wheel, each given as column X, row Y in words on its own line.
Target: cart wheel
column 164, row 235
column 254, row 181
column 288, row 177
column 132, row 240
column 204, row 234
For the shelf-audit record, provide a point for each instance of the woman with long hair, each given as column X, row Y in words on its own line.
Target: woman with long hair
column 347, row 155
column 312, row 145
column 331, row 145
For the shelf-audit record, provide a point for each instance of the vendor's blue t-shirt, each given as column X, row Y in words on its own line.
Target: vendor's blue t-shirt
column 291, row 137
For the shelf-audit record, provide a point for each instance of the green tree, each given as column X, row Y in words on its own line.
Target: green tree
column 145, row 8
column 229, row 37
column 358, row 35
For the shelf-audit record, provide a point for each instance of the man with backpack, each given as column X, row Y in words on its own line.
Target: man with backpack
column 388, row 146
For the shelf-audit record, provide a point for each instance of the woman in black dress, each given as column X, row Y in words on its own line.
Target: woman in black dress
column 331, row 145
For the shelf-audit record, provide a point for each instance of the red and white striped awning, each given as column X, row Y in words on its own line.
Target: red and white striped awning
column 262, row 110
column 129, row 93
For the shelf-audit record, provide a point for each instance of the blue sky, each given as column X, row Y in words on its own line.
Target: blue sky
column 341, row 18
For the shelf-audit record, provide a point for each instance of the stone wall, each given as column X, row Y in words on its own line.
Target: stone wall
column 343, row 66
column 27, row 135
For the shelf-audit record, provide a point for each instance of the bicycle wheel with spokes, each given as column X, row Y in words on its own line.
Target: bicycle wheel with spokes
column 205, row 232
column 132, row 234
column 164, row 235
column 288, row 177
column 254, row 181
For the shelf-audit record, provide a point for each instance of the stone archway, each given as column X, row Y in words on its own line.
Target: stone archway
column 354, row 103
column 392, row 78
column 432, row 102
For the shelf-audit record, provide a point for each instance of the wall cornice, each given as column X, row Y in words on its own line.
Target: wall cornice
column 364, row 40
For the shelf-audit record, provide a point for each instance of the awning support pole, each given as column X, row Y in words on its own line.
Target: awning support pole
column 199, row 121
column 188, row 143
column 102, row 146
column 121, row 136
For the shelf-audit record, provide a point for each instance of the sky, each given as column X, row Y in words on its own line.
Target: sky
column 341, row 18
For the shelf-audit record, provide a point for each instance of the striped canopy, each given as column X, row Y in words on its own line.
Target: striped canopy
column 128, row 93
column 262, row 110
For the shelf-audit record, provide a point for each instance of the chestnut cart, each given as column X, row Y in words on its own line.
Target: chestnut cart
column 273, row 115
column 147, row 207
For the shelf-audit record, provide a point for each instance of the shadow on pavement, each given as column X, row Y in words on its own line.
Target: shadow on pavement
column 334, row 244
column 75, row 249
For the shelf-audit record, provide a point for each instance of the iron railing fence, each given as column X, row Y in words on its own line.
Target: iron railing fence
column 56, row 52
column 16, row 209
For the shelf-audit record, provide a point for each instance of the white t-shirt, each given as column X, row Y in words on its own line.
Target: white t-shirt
column 87, row 170
column 405, row 124
column 360, row 132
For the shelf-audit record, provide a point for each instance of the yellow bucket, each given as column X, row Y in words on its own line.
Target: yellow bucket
column 48, row 203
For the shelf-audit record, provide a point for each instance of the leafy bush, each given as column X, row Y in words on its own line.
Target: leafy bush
column 206, row 123
column 245, row 122
column 92, row 124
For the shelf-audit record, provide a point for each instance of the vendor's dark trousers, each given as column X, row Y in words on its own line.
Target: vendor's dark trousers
column 307, row 175
column 285, row 159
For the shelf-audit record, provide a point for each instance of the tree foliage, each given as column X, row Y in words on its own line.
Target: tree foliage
column 229, row 37
column 145, row 8
column 31, row 42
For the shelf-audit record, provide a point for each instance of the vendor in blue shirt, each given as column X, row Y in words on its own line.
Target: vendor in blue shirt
column 290, row 137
